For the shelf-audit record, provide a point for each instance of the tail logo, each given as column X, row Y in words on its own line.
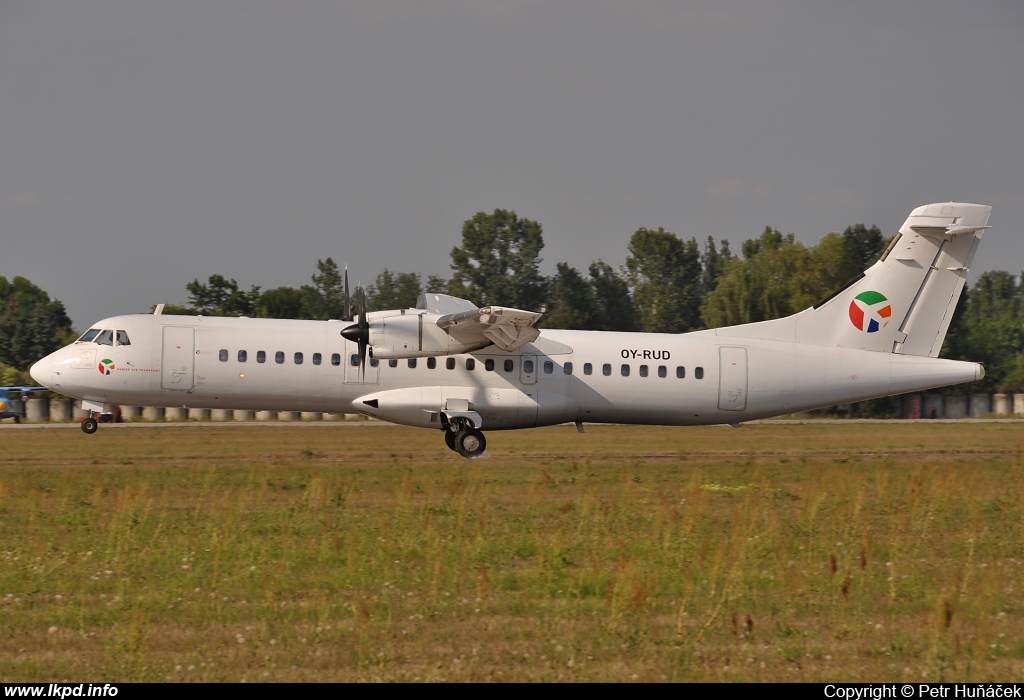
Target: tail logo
column 870, row 312
column 106, row 367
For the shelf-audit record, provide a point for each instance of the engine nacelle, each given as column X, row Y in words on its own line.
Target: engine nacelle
column 414, row 335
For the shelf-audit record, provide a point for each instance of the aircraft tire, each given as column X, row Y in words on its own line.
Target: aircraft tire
column 89, row 426
column 470, row 443
column 449, row 439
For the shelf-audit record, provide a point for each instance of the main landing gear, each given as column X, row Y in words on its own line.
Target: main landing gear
column 462, row 437
column 90, row 424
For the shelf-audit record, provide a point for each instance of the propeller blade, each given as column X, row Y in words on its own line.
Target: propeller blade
column 348, row 300
column 364, row 332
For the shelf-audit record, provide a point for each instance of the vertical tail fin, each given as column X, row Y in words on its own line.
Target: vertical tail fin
column 904, row 302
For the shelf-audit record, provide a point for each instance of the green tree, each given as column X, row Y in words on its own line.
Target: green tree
column 665, row 273
column 393, row 291
column 326, row 298
column 499, row 261
column 31, row 324
column 571, row 302
column 863, row 245
column 989, row 328
column 285, row 302
column 222, row 297
column 614, row 308
column 776, row 276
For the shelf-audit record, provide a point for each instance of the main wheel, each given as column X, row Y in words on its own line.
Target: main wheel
column 470, row 442
column 449, row 439
column 89, row 426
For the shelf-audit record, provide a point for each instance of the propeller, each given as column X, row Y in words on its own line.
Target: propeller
column 359, row 332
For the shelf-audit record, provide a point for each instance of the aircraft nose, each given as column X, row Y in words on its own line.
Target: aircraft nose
column 42, row 371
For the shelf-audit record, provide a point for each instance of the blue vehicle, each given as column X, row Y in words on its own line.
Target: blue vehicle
column 12, row 401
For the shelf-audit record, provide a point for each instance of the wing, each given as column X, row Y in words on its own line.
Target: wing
column 508, row 329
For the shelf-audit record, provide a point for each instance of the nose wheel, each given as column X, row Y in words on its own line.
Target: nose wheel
column 89, row 425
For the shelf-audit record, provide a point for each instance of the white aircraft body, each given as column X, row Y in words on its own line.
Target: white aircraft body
column 451, row 366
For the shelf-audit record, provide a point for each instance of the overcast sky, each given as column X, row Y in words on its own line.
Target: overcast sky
column 149, row 142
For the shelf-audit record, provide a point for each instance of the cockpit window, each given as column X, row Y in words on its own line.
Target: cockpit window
column 89, row 335
column 105, row 338
column 122, row 338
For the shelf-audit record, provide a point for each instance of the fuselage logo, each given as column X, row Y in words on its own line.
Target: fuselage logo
column 870, row 312
column 106, row 366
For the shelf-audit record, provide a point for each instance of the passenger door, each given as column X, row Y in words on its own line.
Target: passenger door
column 178, row 359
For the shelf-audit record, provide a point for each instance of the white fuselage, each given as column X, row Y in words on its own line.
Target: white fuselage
column 593, row 376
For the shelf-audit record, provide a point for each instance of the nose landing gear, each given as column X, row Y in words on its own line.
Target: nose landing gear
column 90, row 424
column 462, row 437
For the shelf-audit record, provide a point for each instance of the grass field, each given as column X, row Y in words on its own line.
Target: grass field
column 775, row 552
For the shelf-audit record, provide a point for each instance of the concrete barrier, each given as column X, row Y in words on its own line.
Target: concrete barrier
column 931, row 406
column 266, row 416
column 152, row 413
column 175, row 413
column 60, row 411
column 955, row 406
column 37, row 409
column 77, row 412
column 1018, row 404
column 288, row 415
column 202, row 414
column 243, row 415
column 220, row 414
column 979, row 405
column 311, row 416
column 131, row 412
column 1001, row 404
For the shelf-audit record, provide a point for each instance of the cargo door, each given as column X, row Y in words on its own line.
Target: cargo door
column 732, row 379
column 178, row 359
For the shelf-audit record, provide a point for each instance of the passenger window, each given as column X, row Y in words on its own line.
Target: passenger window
column 643, row 370
column 470, row 364
column 354, row 360
column 662, row 371
column 528, row 366
column 122, row 338
column 106, row 338
column 588, row 368
column 625, row 370
column 431, row 363
column 316, row 358
column 223, row 355
column 374, row 362
column 392, row 363
column 261, row 357
column 89, row 335
column 298, row 358
column 509, row 365
column 489, row 365
column 606, row 370
column 243, row 355
column 335, row 359
column 549, row 366
column 698, row 372
column 279, row 357
column 450, row 363
column 681, row 372
column 567, row 368
column 412, row 363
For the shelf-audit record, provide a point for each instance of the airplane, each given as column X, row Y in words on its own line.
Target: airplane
column 451, row 366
